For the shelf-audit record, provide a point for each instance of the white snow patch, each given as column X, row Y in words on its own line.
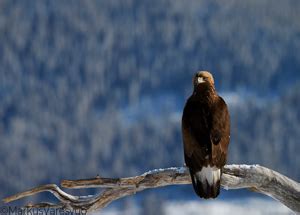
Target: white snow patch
column 244, row 166
column 179, row 170
column 248, row 206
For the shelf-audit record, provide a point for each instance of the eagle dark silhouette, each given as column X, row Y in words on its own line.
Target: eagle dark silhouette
column 206, row 135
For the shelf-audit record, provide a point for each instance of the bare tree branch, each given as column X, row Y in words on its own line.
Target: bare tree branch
column 255, row 177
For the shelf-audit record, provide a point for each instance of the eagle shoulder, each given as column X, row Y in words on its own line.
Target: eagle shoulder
column 220, row 122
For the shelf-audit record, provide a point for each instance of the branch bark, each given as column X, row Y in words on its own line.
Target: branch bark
column 256, row 178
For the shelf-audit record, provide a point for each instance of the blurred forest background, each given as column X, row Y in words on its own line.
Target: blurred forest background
column 98, row 87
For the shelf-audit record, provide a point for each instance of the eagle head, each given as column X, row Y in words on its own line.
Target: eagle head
column 203, row 77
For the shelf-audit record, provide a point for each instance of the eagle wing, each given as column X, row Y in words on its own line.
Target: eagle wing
column 220, row 133
column 195, row 132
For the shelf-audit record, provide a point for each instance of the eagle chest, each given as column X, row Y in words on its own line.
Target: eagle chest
column 200, row 118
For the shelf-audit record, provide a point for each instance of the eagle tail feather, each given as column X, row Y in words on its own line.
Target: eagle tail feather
column 206, row 182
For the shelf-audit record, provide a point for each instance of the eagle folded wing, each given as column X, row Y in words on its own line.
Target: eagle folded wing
column 220, row 133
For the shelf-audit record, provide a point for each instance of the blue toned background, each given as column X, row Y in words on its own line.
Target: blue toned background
column 98, row 87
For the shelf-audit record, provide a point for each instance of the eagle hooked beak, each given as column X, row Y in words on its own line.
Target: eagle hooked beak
column 200, row 80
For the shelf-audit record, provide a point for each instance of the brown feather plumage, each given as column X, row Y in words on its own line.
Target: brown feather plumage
column 206, row 135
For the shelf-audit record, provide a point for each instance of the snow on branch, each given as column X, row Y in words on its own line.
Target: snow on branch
column 256, row 178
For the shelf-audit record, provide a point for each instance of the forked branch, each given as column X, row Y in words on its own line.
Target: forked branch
column 257, row 178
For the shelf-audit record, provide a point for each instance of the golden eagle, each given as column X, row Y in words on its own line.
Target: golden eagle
column 206, row 135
